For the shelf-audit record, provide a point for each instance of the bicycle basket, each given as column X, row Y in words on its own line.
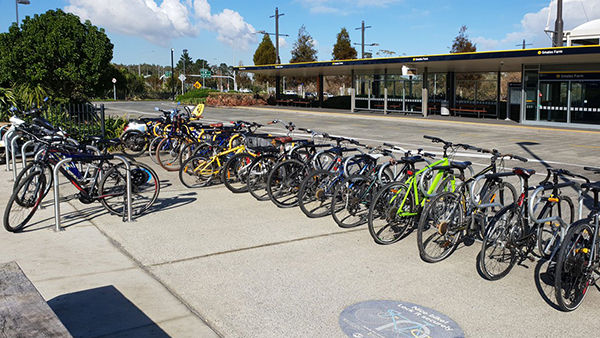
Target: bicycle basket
column 254, row 142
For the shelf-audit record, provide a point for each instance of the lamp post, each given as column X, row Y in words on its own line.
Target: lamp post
column 172, row 75
column 22, row 2
column 183, row 82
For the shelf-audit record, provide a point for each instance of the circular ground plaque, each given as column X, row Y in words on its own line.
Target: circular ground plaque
column 387, row 318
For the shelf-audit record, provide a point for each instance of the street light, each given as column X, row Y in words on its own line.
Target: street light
column 22, row 2
column 183, row 82
column 172, row 75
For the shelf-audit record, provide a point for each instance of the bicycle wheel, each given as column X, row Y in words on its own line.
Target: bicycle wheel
column 134, row 143
column 284, row 182
column 498, row 255
column 197, row 171
column 351, row 200
column 235, row 172
column 46, row 169
column 258, row 174
column 321, row 161
column 24, row 201
column 441, row 226
column 152, row 146
column 316, row 191
column 145, row 187
column 548, row 236
column 503, row 193
column 392, row 211
column 574, row 272
column 169, row 151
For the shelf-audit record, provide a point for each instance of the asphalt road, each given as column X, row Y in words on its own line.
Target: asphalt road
column 250, row 269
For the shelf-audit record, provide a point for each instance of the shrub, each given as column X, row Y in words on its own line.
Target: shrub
column 195, row 96
column 234, row 99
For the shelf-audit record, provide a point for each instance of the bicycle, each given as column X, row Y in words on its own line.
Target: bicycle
column 578, row 262
column 398, row 205
column 451, row 216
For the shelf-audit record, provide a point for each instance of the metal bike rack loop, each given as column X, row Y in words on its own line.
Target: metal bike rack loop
column 13, row 151
column 6, row 146
column 23, row 154
column 57, row 226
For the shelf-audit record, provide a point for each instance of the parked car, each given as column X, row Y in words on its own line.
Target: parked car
column 290, row 92
column 245, row 90
column 326, row 94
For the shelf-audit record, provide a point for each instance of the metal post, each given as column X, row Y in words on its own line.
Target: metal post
column 352, row 100
column 172, row 75
column 13, row 152
column 369, row 98
column 425, row 94
column 6, row 153
column 23, row 155
column 558, row 26
column 57, row 226
column 102, row 120
column 385, row 102
column 128, row 184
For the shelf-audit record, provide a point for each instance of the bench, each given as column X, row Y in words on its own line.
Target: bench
column 305, row 103
column 431, row 107
column 23, row 311
column 286, row 102
column 470, row 110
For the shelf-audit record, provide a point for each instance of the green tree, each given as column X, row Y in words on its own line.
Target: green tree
column 303, row 50
column 55, row 51
column 343, row 50
column 461, row 43
column 265, row 55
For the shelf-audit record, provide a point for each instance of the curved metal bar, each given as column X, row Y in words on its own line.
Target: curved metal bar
column 13, row 151
column 128, row 184
column 531, row 211
column 7, row 152
column 57, row 167
column 473, row 196
column 23, row 154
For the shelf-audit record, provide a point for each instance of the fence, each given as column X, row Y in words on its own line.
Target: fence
column 78, row 120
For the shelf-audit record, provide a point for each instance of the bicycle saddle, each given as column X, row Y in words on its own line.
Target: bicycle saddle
column 526, row 173
column 411, row 159
column 460, row 165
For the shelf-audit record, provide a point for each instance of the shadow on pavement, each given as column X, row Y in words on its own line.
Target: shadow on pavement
column 103, row 311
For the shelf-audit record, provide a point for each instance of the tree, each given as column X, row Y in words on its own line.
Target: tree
column 343, row 50
column 265, row 55
column 461, row 43
column 57, row 52
column 303, row 50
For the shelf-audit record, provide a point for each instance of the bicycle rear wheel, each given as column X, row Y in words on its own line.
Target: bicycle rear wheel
column 441, row 226
column 498, row 255
column 134, row 143
column 258, row 175
column 145, row 187
column 197, row 171
column 168, row 152
column 573, row 271
column 316, row 190
column 503, row 193
column 548, row 236
column 351, row 200
column 392, row 211
column 24, row 201
column 235, row 172
column 284, row 182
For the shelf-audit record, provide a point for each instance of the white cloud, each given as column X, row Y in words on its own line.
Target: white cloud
column 161, row 24
column 343, row 7
column 282, row 42
column 575, row 13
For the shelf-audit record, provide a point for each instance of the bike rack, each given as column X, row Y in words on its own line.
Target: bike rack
column 58, row 227
column 532, row 202
column 23, row 154
column 473, row 201
column 421, row 184
column 13, row 151
column 6, row 144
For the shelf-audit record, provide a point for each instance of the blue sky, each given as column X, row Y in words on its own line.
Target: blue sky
column 225, row 30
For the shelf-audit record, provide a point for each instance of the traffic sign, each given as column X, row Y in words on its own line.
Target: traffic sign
column 114, row 80
column 197, row 85
column 182, row 77
column 205, row 73
column 167, row 74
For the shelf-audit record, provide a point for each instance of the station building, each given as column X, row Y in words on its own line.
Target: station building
column 556, row 86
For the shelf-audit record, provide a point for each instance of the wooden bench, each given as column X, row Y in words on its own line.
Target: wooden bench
column 305, row 103
column 470, row 110
column 286, row 102
column 23, row 311
column 431, row 107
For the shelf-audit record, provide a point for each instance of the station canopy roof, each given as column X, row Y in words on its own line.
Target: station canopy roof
column 505, row 61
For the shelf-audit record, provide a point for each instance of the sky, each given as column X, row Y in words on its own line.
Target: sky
column 144, row 31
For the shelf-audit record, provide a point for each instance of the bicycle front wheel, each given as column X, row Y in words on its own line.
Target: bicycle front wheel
column 392, row 211
column 573, row 268
column 24, row 201
column 498, row 255
column 351, row 200
column 284, row 182
column 197, row 171
column 145, row 187
column 441, row 226
column 258, row 174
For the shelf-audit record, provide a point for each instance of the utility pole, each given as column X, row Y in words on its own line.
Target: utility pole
column 276, row 16
column 558, row 26
column 524, row 44
column 172, row 75
column 362, row 28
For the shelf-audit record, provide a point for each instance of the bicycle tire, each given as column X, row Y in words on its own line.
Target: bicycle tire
column 31, row 167
column 284, row 182
column 499, row 238
column 168, row 153
column 145, row 187
column 258, row 175
column 197, row 171
column 24, row 201
column 152, row 146
column 572, row 276
column 134, row 143
column 385, row 226
column 316, row 191
column 548, row 236
column 234, row 173
column 351, row 201
column 504, row 193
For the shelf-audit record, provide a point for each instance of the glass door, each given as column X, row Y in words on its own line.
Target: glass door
column 554, row 100
column 585, row 102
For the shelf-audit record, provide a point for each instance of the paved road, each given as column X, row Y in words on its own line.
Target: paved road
column 250, row 269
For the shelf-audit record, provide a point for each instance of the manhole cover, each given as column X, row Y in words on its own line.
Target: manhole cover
column 387, row 318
